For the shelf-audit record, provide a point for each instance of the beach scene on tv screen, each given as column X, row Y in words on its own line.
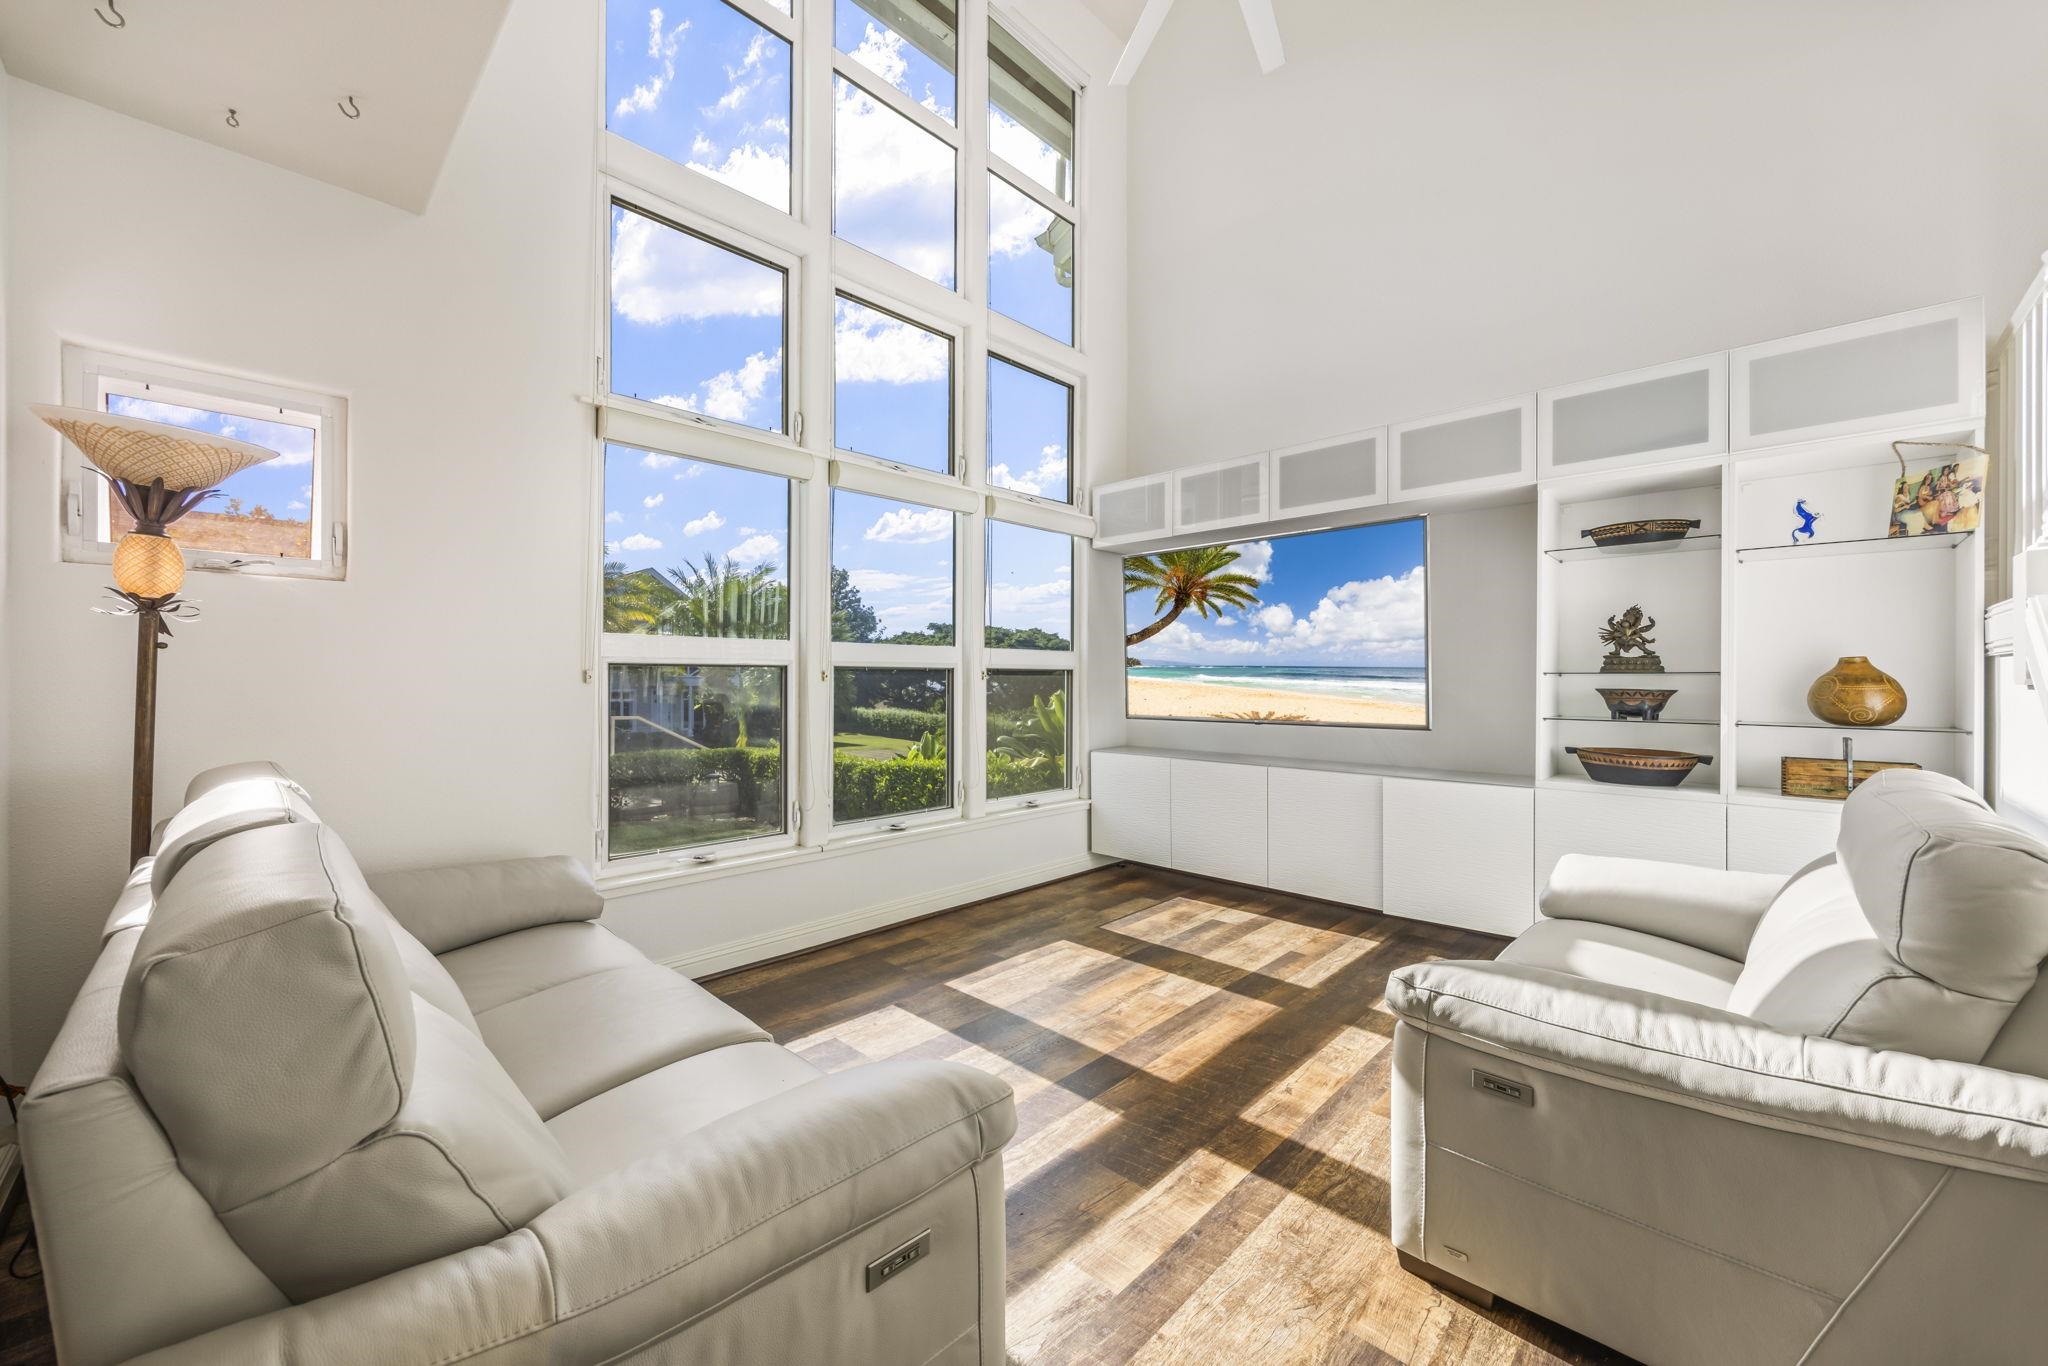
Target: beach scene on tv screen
column 1320, row 628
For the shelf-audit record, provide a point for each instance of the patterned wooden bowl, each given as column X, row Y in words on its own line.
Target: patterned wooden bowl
column 1641, row 531
column 1637, row 767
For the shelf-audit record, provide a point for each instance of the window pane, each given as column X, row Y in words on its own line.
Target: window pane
column 695, row 325
column 1030, row 588
column 890, row 751
column 892, row 185
column 696, row 755
column 1030, row 114
column 908, row 43
column 1030, row 428
column 1027, row 732
column 703, row 85
column 1030, row 262
column 267, row 509
column 892, row 571
column 894, row 396
column 694, row 549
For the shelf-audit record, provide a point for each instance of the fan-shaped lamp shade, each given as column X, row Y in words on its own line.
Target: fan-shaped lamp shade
column 136, row 452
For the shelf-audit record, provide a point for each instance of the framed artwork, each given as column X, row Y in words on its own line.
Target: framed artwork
column 1939, row 493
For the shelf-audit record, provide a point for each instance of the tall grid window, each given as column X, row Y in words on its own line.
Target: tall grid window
column 837, row 594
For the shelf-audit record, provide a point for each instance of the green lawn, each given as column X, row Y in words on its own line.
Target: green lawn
column 871, row 746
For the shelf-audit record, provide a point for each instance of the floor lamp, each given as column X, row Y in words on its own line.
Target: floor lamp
column 158, row 473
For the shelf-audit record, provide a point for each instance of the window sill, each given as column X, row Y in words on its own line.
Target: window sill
column 657, row 871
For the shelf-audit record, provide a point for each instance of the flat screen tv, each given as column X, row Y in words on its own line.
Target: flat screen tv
column 1318, row 628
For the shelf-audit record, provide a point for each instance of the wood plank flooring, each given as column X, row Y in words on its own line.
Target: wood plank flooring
column 1202, row 1072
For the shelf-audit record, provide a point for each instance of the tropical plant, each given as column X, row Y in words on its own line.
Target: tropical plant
column 1041, row 736
column 634, row 599
column 1180, row 579
column 931, row 745
column 852, row 618
column 726, row 601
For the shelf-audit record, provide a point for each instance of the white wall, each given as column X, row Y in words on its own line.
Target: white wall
column 433, row 702
column 1430, row 206
column 6, row 493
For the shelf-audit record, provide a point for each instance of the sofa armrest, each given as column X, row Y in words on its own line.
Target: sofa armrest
column 446, row 908
column 1707, row 908
column 662, row 1243
column 1955, row 1114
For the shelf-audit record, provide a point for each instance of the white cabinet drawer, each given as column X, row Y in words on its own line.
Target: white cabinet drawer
column 1323, row 835
column 1625, row 825
column 1459, row 853
column 1781, row 839
column 1219, row 820
column 1130, row 808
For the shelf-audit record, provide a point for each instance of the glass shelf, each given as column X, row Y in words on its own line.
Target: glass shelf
column 1633, row 721
column 1641, row 679
column 1566, row 554
column 1867, row 545
column 1856, row 730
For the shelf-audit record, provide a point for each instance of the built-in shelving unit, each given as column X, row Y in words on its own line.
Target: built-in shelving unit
column 1859, row 545
column 1685, row 545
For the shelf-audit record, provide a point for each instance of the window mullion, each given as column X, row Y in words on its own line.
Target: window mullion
column 973, row 209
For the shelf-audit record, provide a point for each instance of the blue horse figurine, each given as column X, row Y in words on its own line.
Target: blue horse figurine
column 1806, row 520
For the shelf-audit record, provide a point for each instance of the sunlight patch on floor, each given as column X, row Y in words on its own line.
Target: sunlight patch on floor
column 1300, row 954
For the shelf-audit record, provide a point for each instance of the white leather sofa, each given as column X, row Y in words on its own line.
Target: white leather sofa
column 300, row 1115
column 1715, row 1117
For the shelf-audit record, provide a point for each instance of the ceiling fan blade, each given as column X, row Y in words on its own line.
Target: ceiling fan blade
column 1265, row 30
column 1149, row 20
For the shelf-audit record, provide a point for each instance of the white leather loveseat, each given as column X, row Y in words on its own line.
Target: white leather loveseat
column 300, row 1115
column 1715, row 1117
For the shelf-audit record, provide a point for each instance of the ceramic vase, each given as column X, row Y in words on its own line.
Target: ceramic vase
column 1856, row 693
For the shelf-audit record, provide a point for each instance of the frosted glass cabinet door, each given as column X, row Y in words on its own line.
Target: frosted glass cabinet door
column 1667, row 412
column 1491, row 446
column 1323, row 834
column 1897, row 371
column 1132, row 510
column 1213, row 496
column 1330, row 476
column 1130, row 809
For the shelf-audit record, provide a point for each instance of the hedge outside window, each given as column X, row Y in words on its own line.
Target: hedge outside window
column 1028, row 732
column 695, row 755
column 891, row 750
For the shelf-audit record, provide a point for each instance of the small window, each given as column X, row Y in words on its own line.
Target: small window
column 1027, row 732
column 694, row 549
column 1030, row 588
column 1030, row 431
column 285, row 514
column 1030, row 114
column 891, row 743
column 892, row 185
column 892, row 571
column 908, row 43
column 696, row 325
column 894, row 387
column 1030, row 262
column 698, row 82
column 695, row 755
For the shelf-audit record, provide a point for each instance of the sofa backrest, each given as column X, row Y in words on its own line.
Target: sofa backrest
column 1922, row 933
column 339, row 1121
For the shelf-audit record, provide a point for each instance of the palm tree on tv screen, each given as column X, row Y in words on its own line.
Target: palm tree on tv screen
column 1180, row 579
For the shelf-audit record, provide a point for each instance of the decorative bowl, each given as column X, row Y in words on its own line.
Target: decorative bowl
column 1641, row 531
column 1635, row 704
column 1637, row 767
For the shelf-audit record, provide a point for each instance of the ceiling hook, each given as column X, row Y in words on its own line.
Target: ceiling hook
column 233, row 122
column 349, row 110
column 119, row 20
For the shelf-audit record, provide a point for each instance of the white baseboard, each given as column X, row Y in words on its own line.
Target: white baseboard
column 738, row 953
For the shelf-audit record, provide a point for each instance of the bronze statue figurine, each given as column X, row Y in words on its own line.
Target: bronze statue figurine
column 1628, row 642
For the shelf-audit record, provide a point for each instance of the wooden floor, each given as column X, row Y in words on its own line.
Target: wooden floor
column 1201, row 1069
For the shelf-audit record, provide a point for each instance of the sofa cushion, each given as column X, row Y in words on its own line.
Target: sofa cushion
column 266, row 1016
column 1626, row 958
column 208, row 779
column 225, row 805
column 451, row 907
column 640, row 1117
column 1953, row 892
column 572, row 1011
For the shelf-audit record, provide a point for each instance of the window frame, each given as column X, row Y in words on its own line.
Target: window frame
column 820, row 267
column 956, row 385
column 1068, row 661
column 87, row 373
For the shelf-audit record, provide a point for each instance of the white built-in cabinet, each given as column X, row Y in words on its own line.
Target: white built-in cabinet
column 1131, row 815
column 1337, row 475
column 1780, row 838
column 1218, row 812
column 1902, row 370
column 1621, row 824
column 1133, row 510
column 1458, row 853
column 1324, row 835
column 1473, row 450
column 1665, row 412
column 1216, row 497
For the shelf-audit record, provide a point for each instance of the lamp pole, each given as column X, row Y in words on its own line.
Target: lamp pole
column 148, row 627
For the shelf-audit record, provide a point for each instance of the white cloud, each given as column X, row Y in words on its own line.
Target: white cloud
column 754, row 549
column 1048, row 477
column 911, row 526
column 661, row 46
column 742, row 80
column 1022, row 148
column 653, row 500
column 872, row 347
column 614, row 518
column 750, row 168
column 1181, row 641
column 1380, row 618
column 661, row 276
column 1254, row 558
column 697, row 526
column 295, row 505
column 1015, row 221
column 730, row 394
column 653, row 461
column 1279, row 618
column 893, row 193
column 637, row 542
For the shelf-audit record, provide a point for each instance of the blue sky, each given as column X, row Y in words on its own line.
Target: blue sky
column 662, row 512
column 1030, row 579
column 1354, row 596
column 283, row 486
column 1030, row 423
